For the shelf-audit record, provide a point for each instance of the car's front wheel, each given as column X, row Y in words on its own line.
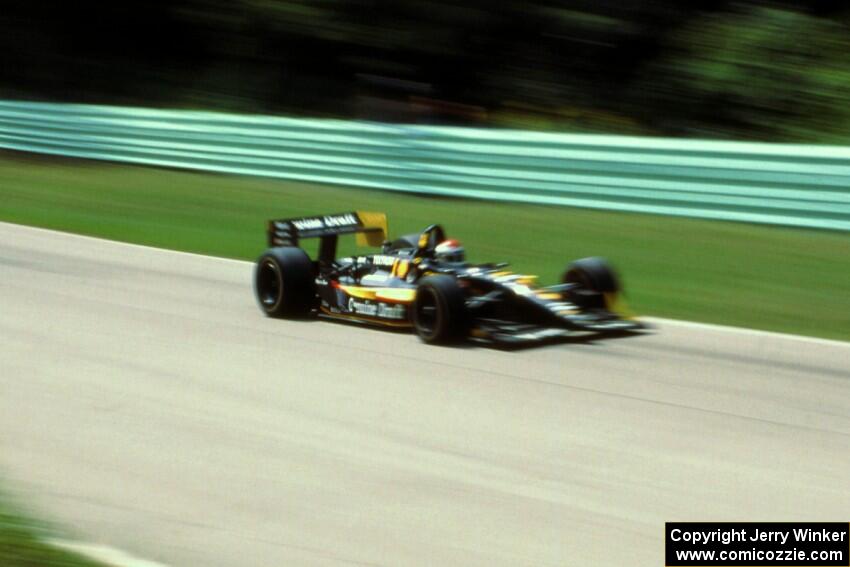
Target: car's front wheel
column 284, row 282
column 439, row 311
column 594, row 281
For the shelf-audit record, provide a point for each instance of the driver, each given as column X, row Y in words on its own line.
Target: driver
column 449, row 251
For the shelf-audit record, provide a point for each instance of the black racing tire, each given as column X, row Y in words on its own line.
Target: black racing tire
column 439, row 311
column 284, row 282
column 593, row 274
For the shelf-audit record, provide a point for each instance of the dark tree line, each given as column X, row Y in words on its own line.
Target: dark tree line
column 709, row 68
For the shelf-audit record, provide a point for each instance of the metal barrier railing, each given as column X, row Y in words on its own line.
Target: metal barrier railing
column 796, row 185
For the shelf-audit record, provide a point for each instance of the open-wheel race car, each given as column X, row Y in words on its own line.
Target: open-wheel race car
column 422, row 281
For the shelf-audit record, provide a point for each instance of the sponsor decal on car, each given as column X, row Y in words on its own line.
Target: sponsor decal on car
column 341, row 220
column 314, row 223
column 382, row 310
column 379, row 260
column 308, row 224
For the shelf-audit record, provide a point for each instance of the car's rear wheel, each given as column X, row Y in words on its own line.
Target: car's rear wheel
column 284, row 282
column 595, row 282
column 439, row 311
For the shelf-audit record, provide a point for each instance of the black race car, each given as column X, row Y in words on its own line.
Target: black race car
column 423, row 281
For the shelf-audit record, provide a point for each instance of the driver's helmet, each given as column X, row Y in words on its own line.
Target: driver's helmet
column 449, row 251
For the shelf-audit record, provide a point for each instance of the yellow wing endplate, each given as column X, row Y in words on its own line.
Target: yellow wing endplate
column 375, row 228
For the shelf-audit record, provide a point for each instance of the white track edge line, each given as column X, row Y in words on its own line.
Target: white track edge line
column 119, row 242
column 744, row 331
column 648, row 319
column 103, row 554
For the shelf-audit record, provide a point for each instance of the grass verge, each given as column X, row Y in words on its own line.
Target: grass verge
column 764, row 277
column 22, row 544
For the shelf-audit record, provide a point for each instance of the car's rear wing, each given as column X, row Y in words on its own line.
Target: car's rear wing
column 370, row 228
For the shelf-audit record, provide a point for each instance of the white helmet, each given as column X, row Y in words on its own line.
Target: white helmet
column 449, row 251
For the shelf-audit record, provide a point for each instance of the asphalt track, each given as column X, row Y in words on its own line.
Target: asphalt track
column 146, row 404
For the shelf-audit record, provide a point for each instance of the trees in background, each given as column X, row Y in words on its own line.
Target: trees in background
column 711, row 68
column 775, row 73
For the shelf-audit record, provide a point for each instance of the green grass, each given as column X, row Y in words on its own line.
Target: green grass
column 22, row 544
column 774, row 278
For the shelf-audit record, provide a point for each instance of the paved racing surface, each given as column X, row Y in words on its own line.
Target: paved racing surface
column 146, row 404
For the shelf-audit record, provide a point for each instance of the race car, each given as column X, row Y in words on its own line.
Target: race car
column 423, row 281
